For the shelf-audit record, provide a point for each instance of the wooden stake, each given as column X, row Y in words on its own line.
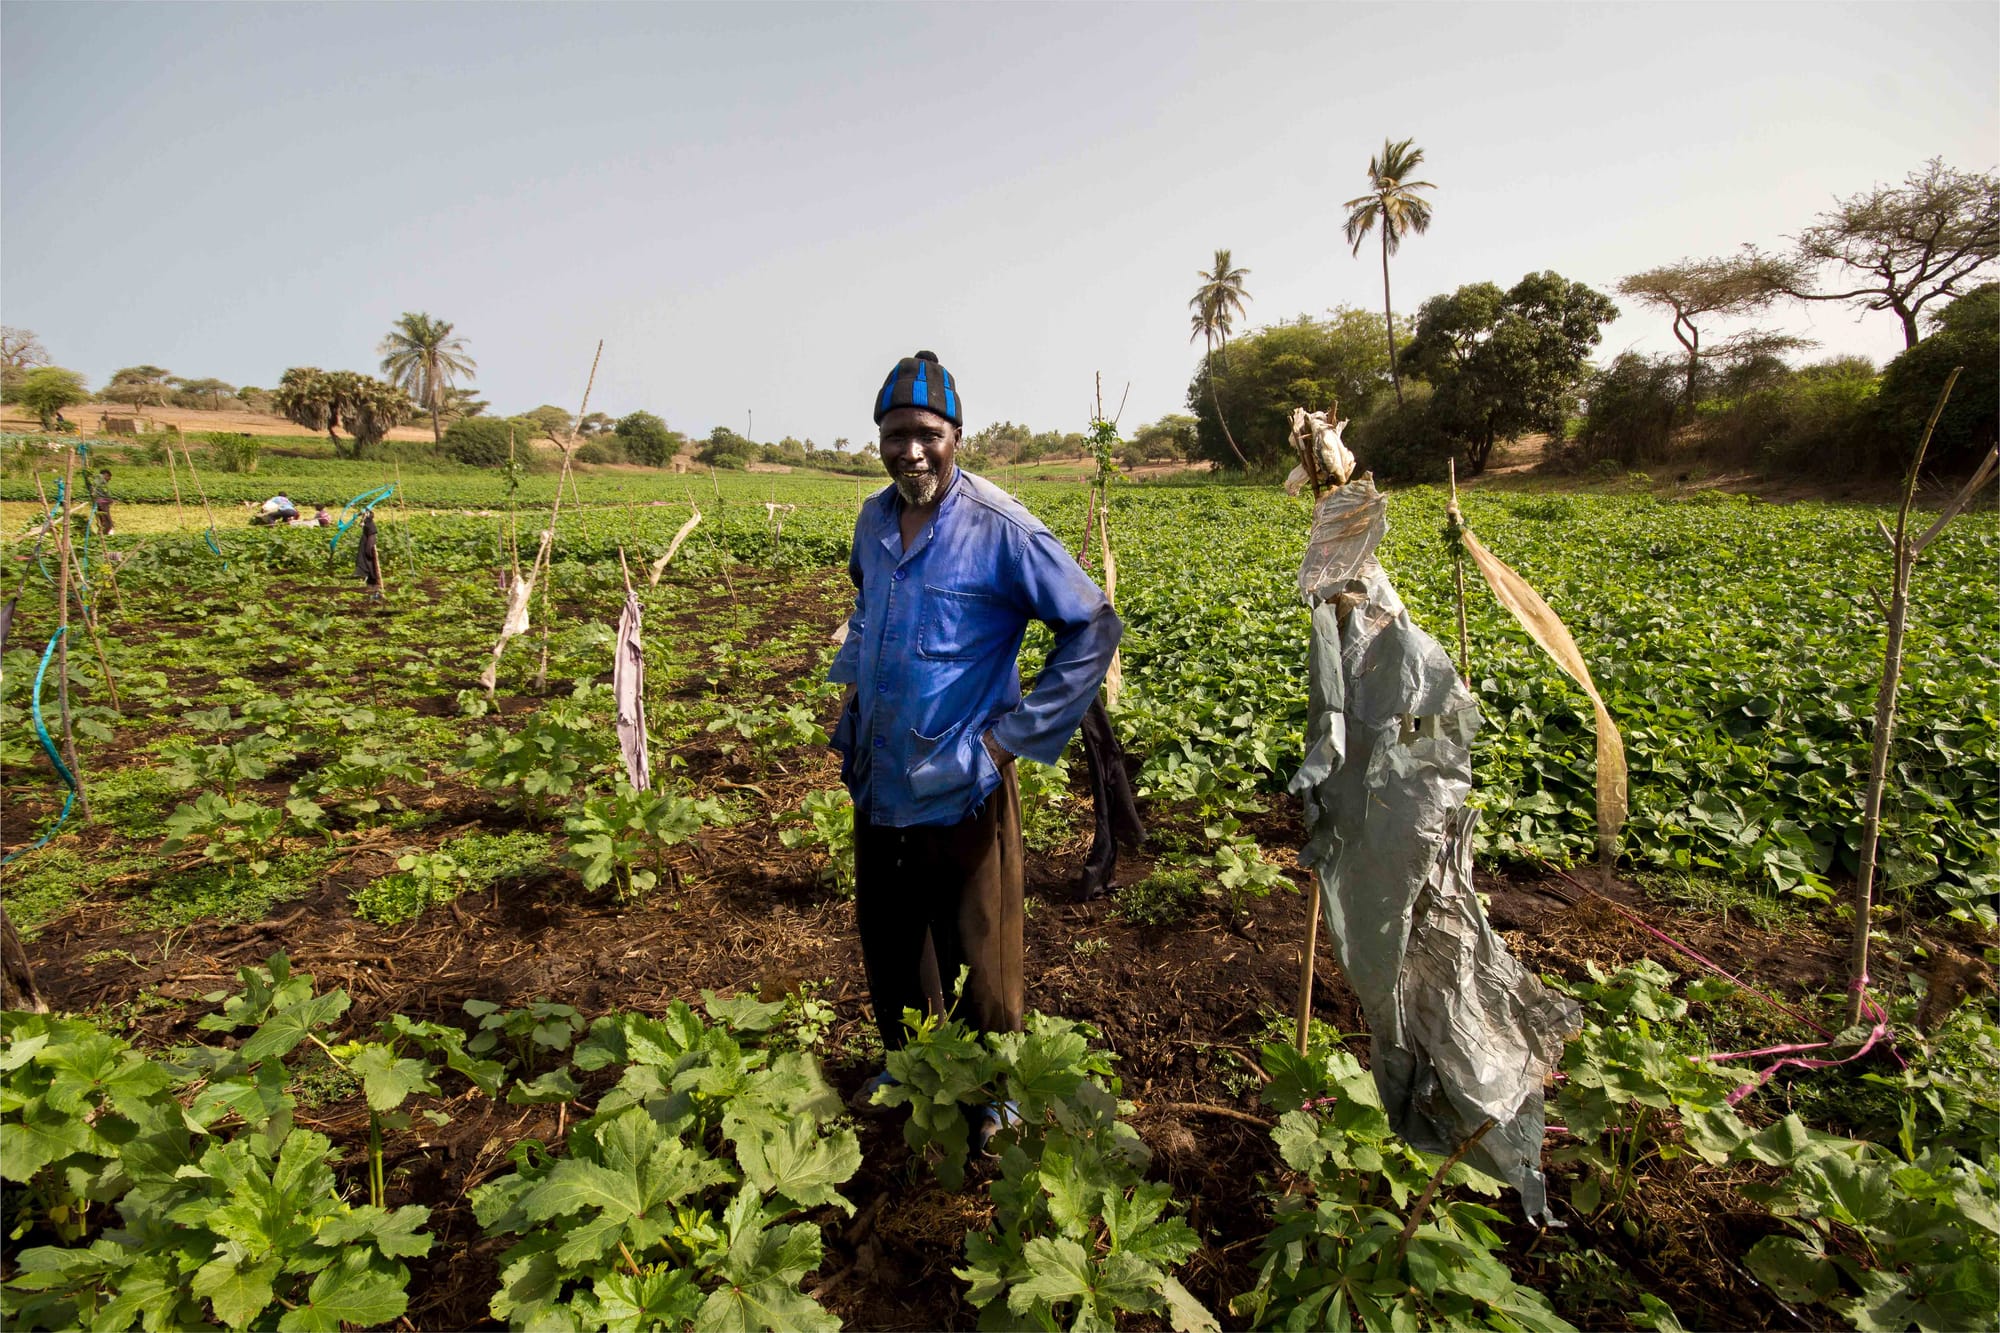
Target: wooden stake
column 174, row 475
column 89, row 615
column 544, row 558
column 64, row 558
column 1458, row 574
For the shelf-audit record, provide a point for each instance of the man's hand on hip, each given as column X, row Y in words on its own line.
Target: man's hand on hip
column 1001, row 755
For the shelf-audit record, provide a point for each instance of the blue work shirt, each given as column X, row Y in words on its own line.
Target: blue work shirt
column 932, row 646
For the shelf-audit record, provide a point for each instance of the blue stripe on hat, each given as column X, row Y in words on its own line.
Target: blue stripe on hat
column 950, row 399
column 888, row 390
column 920, row 387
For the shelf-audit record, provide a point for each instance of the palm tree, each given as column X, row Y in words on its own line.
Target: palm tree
column 421, row 357
column 1216, row 304
column 1392, row 206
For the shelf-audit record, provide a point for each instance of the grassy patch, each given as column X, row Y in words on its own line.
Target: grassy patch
column 461, row 865
column 215, row 893
column 1167, row 897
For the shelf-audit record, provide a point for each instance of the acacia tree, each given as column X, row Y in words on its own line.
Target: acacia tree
column 47, row 390
column 1393, row 208
column 1503, row 363
column 142, row 386
column 1216, row 304
column 325, row 400
column 194, row 391
column 1698, row 291
column 421, row 357
column 1901, row 247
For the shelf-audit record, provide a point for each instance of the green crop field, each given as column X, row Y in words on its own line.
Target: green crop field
column 521, row 1044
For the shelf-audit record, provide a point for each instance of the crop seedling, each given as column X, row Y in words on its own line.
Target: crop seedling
column 828, row 818
column 621, row 839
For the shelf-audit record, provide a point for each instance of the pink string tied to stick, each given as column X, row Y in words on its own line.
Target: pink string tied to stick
column 1880, row 1031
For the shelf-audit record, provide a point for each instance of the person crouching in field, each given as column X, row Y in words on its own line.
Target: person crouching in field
column 100, row 499
column 948, row 571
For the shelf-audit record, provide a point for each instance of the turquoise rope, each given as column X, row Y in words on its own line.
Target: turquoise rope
column 373, row 498
column 48, row 748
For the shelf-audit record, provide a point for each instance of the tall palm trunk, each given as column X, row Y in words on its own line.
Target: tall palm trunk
column 437, row 431
column 1216, row 399
column 1389, row 316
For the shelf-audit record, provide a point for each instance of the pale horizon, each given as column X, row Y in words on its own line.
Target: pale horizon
column 759, row 208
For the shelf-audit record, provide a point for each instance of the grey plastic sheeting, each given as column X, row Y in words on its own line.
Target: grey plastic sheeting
column 1458, row 1030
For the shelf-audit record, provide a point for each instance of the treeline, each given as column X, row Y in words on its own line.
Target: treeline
column 1484, row 365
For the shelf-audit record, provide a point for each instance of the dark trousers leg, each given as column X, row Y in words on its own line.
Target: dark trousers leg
column 958, row 886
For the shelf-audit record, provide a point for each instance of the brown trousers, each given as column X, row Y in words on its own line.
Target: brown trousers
column 932, row 899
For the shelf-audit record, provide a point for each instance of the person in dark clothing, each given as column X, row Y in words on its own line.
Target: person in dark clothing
column 948, row 570
column 368, row 560
column 100, row 499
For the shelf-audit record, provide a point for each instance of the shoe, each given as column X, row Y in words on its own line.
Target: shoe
column 863, row 1101
column 993, row 1117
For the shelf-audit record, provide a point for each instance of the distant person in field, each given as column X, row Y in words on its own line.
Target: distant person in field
column 322, row 518
column 278, row 509
column 100, row 499
column 948, row 571
column 367, row 558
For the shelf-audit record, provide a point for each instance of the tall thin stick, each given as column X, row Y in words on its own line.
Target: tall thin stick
column 195, row 477
column 1457, row 521
column 64, row 557
column 89, row 613
column 174, row 475
column 544, row 559
column 1904, row 553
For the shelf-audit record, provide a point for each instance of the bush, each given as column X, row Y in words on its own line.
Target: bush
column 1630, row 418
column 645, row 439
column 483, row 441
column 1401, row 443
column 726, row 449
column 231, row 452
column 1967, row 334
column 1819, row 419
column 1167, row 897
column 603, row 450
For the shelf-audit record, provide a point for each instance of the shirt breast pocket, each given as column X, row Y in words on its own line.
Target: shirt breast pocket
column 960, row 626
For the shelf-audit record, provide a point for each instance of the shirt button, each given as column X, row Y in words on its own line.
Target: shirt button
column 882, row 689
column 902, row 574
column 878, row 742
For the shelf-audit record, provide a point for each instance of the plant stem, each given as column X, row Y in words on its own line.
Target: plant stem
column 1904, row 559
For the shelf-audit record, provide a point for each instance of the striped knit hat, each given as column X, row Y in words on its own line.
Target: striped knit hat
column 919, row 381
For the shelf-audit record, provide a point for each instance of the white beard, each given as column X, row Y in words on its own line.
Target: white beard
column 918, row 492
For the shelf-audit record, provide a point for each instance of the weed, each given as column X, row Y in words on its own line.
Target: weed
column 1167, row 897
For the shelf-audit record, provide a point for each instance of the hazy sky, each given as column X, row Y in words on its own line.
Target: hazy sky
column 759, row 207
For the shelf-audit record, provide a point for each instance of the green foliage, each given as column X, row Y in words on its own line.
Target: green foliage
column 646, row 439
column 1504, row 363
column 1401, row 441
column 1967, row 334
column 1339, row 362
column 1633, row 403
column 47, row 391
column 611, row 836
column 726, row 449
column 1820, row 419
column 1167, row 897
column 233, row 452
column 486, row 441
column 827, row 819
column 673, row 1204
column 325, row 400
column 1078, row 1234
column 424, row 880
column 1336, row 1256
column 559, row 750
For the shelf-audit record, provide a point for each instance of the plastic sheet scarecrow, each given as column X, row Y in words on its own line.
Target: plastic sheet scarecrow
column 1461, row 1035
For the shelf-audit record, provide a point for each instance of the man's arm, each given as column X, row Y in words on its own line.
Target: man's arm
column 846, row 668
column 1053, row 588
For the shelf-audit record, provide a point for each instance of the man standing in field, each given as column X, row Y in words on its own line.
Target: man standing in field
column 948, row 571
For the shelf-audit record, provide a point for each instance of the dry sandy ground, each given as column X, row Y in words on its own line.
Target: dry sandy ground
column 88, row 415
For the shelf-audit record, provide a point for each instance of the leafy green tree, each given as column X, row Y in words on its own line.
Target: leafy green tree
column 1698, row 291
column 1964, row 333
column 1902, row 247
column 485, row 441
column 1393, row 209
column 594, row 423
column 142, row 386
column 422, row 357
column 1337, row 362
column 554, row 422
column 1170, row 439
column 726, row 449
column 646, row 439
column 1216, row 304
column 48, row 390
column 994, row 445
column 329, row 399
column 207, row 393
column 1504, row 363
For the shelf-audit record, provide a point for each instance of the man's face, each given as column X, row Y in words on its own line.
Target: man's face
column 917, row 449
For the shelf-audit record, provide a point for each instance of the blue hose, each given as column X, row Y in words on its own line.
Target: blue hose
column 48, row 748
